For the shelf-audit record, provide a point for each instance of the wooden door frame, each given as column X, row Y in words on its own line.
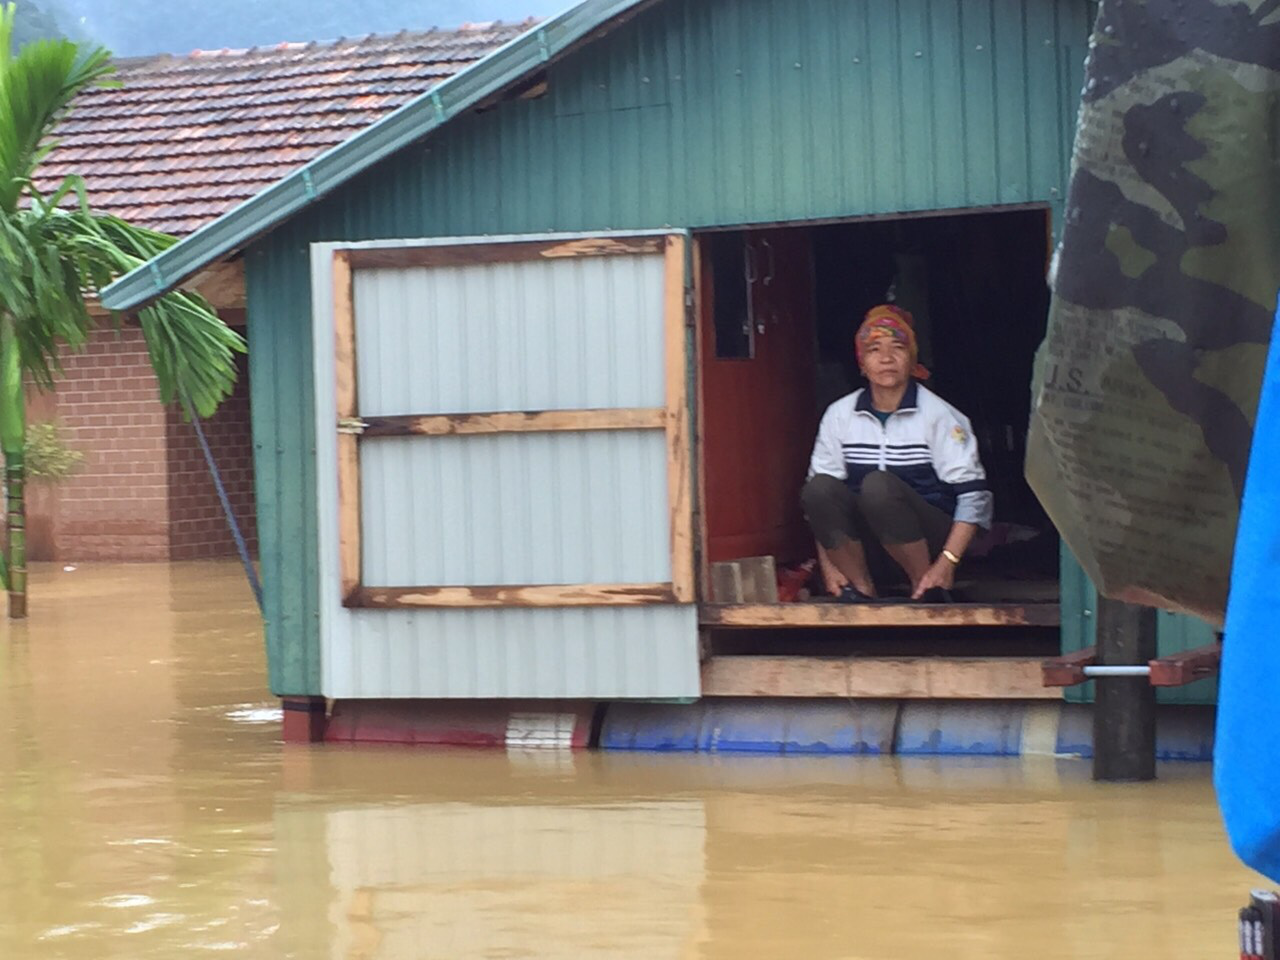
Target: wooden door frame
column 673, row 418
column 698, row 310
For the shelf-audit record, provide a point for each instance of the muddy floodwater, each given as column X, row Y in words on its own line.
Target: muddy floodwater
column 147, row 809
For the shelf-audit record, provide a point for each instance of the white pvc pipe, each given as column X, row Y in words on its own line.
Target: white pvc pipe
column 1135, row 670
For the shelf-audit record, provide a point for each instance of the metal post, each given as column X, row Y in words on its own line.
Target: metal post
column 1093, row 673
column 1124, row 710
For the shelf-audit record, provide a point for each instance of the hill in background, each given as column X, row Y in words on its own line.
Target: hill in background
column 132, row 29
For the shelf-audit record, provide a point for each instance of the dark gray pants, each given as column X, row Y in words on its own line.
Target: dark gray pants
column 884, row 511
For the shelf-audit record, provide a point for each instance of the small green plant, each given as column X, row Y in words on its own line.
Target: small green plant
column 49, row 458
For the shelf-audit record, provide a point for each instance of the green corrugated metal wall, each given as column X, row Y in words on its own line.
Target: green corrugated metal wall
column 1175, row 633
column 694, row 113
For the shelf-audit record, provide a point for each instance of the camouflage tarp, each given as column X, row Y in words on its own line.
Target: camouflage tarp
column 1164, row 291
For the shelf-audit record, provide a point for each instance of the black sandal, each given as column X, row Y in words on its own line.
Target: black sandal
column 851, row 594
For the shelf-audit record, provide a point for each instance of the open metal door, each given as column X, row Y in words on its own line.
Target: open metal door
column 511, row 458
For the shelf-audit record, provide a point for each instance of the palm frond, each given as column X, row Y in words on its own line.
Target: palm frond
column 192, row 350
column 37, row 85
column 55, row 252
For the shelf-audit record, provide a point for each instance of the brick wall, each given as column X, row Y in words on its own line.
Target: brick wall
column 117, row 506
column 197, row 526
column 143, row 492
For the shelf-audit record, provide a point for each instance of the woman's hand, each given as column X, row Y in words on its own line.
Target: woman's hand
column 942, row 575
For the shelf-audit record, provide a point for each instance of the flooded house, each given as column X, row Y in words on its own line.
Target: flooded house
column 537, row 360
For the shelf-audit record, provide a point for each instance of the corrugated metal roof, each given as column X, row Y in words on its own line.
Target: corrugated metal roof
column 183, row 140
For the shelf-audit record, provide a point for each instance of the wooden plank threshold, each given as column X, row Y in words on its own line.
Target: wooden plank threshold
column 891, row 678
column 744, row 615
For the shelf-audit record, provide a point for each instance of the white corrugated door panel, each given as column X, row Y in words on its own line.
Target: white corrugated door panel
column 505, row 493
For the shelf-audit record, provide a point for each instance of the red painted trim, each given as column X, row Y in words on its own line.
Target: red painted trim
column 461, row 723
column 1189, row 666
column 1068, row 670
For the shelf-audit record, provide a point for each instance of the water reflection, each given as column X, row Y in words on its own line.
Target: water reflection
column 147, row 810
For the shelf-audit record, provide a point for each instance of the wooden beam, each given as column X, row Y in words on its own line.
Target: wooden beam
column 521, row 421
column 703, row 306
column 535, row 91
column 471, row 254
column 344, row 327
column 679, row 441
column 1179, row 669
column 222, row 284
column 349, row 551
column 740, row 676
column 344, row 330
column 1068, row 669
column 958, row 678
column 1124, row 708
column 550, row 595
column 879, row 615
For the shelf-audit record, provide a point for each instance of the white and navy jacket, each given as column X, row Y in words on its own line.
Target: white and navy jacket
column 926, row 441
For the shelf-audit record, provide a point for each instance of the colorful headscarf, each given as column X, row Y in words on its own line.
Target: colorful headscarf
column 887, row 320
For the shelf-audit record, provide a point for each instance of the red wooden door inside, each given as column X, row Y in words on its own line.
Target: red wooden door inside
column 757, row 367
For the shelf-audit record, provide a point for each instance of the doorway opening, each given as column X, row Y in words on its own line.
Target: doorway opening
column 778, row 310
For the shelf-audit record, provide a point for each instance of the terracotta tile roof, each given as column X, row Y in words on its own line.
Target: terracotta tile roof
column 187, row 138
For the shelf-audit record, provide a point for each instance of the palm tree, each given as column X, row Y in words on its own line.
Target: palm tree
column 55, row 254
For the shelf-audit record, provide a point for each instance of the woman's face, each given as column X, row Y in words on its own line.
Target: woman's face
column 886, row 362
